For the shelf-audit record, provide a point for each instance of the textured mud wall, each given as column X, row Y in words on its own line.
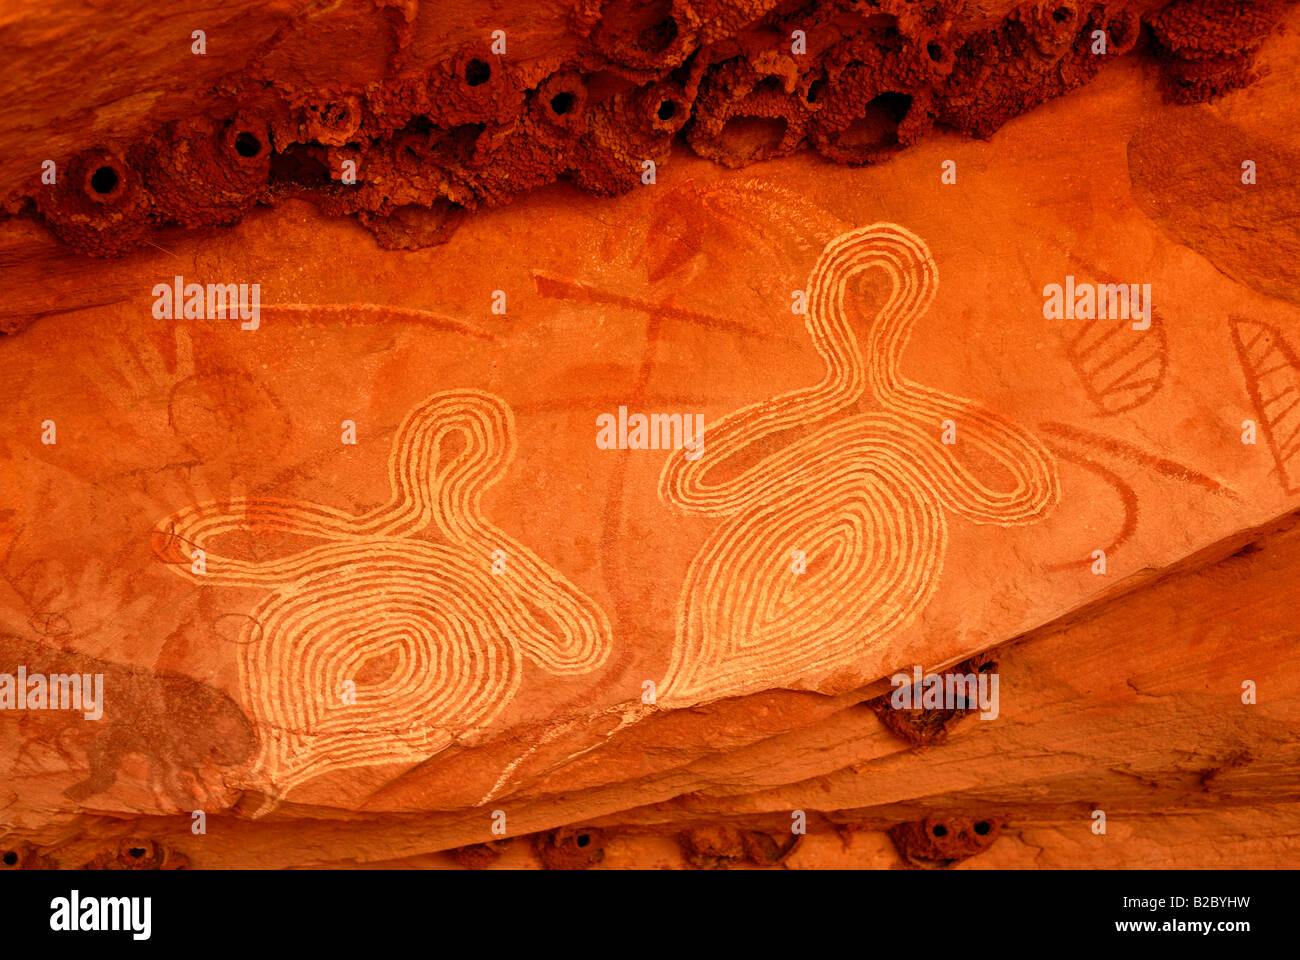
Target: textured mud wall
column 407, row 115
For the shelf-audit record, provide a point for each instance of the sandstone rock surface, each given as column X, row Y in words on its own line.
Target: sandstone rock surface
column 499, row 590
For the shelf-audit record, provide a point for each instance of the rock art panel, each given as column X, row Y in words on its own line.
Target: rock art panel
column 1272, row 375
column 428, row 638
column 360, row 654
column 191, row 737
column 860, row 501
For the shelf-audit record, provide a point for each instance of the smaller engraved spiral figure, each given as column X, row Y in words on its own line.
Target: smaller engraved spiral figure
column 861, row 495
column 429, row 634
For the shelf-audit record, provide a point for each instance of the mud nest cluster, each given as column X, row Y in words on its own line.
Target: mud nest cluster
column 739, row 80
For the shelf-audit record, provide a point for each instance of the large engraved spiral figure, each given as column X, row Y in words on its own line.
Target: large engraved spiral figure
column 861, row 495
column 419, row 608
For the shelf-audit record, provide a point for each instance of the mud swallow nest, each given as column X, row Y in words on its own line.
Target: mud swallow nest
column 409, row 153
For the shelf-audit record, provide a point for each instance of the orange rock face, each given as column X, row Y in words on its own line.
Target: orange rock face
column 633, row 531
